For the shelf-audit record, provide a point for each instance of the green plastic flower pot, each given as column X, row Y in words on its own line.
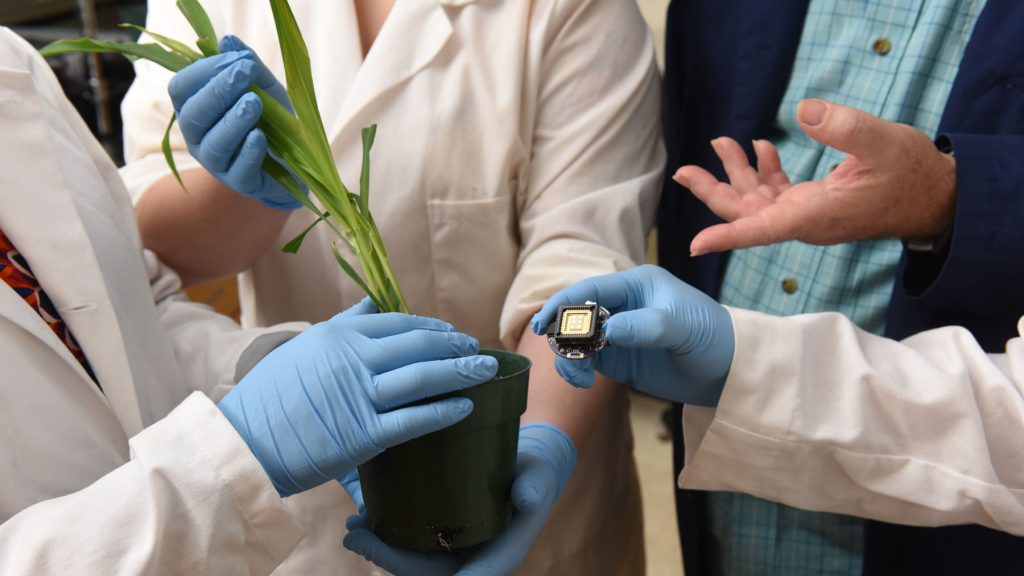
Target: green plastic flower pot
column 452, row 489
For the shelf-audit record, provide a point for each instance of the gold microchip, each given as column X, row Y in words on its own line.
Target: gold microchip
column 577, row 322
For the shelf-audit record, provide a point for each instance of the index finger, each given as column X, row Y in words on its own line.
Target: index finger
column 391, row 324
column 776, row 223
column 188, row 81
column 265, row 79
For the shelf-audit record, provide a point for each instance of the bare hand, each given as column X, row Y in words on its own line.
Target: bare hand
column 894, row 183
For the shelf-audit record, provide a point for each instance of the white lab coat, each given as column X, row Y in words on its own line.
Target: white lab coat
column 106, row 482
column 518, row 151
column 823, row 416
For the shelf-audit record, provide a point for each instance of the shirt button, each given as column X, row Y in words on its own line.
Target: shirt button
column 882, row 46
column 789, row 285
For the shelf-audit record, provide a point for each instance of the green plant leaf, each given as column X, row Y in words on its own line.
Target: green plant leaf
column 292, row 247
column 179, row 48
column 369, row 134
column 301, row 90
column 169, row 153
column 357, row 278
column 275, row 170
column 299, row 149
column 200, row 22
column 131, row 50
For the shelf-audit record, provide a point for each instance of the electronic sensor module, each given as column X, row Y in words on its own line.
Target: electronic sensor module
column 578, row 330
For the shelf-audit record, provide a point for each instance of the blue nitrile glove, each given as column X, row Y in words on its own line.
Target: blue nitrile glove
column 218, row 116
column 320, row 404
column 547, row 458
column 665, row 337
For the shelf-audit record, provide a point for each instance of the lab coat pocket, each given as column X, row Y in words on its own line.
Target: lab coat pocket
column 474, row 246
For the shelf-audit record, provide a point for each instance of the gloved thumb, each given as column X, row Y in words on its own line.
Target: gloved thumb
column 643, row 328
column 579, row 373
column 350, row 482
column 846, row 129
column 361, row 308
column 531, row 487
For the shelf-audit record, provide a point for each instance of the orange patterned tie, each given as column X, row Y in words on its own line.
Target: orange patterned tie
column 15, row 271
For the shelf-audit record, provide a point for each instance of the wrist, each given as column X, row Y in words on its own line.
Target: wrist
column 704, row 366
column 725, row 351
column 234, row 413
column 942, row 199
column 937, row 234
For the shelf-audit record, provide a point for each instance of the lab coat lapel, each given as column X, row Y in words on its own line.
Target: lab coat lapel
column 14, row 309
column 413, row 34
column 41, row 218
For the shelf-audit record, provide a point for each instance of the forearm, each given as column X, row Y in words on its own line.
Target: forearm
column 205, row 231
column 192, row 500
column 554, row 401
column 920, row 432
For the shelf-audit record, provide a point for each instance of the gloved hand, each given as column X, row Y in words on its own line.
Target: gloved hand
column 547, row 458
column 665, row 337
column 320, row 404
column 217, row 115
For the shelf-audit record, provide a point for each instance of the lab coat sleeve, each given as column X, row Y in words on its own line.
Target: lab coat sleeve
column 192, row 500
column 587, row 199
column 146, row 109
column 213, row 352
column 820, row 415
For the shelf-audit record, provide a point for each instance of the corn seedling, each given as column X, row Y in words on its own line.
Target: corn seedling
column 297, row 142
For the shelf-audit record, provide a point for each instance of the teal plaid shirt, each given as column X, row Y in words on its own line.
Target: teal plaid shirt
column 896, row 59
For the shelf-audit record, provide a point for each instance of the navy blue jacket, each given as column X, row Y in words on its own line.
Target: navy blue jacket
column 727, row 64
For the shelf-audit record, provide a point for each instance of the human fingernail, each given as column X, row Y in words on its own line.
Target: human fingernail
column 811, row 112
column 609, row 329
column 487, row 364
column 462, row 406
column 527, row 497
column 477, row 366
column 246, row 107
column 466, row 345
column 228, row 59
column 351, row 545
column 239, row 74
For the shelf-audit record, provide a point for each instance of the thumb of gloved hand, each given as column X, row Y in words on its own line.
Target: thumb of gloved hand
column 649, row 327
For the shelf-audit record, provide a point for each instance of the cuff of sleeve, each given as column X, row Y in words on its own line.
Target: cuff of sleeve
column 219, row 461
column 756, row 362
column 696, row 422
column 264, row 344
